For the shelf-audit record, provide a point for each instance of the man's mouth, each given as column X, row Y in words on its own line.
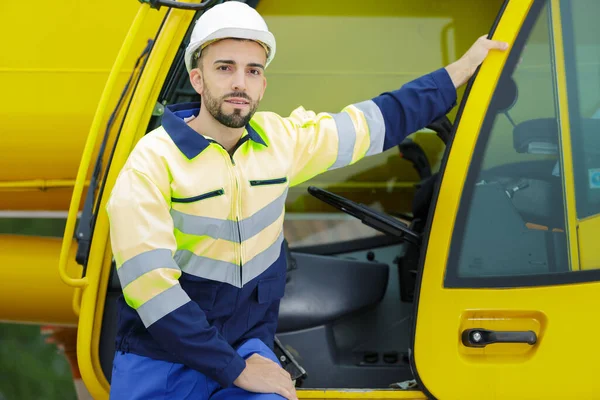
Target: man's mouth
column 237, row 101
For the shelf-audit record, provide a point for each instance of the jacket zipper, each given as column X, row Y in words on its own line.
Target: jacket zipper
column 268, row 181
column 240, row 236
column 237, row 196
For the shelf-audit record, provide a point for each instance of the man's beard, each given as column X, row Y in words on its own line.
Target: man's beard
column 233, row 120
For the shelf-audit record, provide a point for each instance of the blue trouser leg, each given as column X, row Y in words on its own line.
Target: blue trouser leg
column 250, row 347
column 135, row 377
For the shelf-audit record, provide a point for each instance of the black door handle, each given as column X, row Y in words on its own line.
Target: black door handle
column 482, row 337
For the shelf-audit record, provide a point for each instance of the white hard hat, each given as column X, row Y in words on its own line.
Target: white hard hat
column 231, row 19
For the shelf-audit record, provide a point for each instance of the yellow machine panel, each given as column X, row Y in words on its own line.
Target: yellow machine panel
column 499, row 286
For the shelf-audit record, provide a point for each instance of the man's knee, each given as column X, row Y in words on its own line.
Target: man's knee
column 256, row 346
column 135, row 377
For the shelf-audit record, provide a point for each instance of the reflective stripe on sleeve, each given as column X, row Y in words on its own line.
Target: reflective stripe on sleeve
column 144, row 263
column 346, row 139
column 376, row 125
column 162, row 304
column 149, row 285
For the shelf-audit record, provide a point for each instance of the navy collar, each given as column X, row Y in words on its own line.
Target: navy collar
column 185, row 138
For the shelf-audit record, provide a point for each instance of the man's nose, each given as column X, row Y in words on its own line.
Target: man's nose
column 239, row 81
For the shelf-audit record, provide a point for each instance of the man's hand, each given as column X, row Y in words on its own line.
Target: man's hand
column 460, row 71
column 262, row 375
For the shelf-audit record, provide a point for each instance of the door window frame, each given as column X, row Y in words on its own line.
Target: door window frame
column 436, row 280
column 452, row 279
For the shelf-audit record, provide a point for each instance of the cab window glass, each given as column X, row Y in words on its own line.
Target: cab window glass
column 582, row 66
column 511, row 220
column 318, row 70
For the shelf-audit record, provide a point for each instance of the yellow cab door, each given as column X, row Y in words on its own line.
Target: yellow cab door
column 508, row 289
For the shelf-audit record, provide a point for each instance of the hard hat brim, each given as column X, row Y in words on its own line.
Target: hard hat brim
column 233, row 33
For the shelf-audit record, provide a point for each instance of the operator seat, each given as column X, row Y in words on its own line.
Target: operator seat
column 321, row 289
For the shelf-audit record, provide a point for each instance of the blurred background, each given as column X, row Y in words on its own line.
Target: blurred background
column 30, row 367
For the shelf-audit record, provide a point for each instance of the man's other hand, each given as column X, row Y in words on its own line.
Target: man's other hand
column 461, row 70
column 262, row 375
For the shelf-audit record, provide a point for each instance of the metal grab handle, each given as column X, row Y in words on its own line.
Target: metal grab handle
column 479, row 337
column 90, row 144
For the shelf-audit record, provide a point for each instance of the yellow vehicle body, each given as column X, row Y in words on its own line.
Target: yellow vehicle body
column 455, row 299
column 43, row 136
column 52, row 74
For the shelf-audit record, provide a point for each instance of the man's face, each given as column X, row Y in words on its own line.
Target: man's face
column 231, row 80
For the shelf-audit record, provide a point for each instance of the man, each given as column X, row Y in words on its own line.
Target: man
column 197, row 212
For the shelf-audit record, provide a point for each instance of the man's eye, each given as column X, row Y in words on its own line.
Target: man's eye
column 255, row 72
column 223, row 68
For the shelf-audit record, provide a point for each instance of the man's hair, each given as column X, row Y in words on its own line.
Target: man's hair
column 199, row 53
column 197, row 59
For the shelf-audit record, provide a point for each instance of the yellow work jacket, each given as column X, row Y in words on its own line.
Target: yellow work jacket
column 197, row 233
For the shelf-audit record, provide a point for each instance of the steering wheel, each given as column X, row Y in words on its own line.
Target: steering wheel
column 377, row 220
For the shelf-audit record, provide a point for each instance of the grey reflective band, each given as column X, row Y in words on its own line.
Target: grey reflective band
column 227, row 229
column 262, row 219
column 205, row 226
column 223, row 271
column 376, row 124
column 346, row 139
column 144, row 263
column 208, row 268
column 262, row 261
column 162, row 304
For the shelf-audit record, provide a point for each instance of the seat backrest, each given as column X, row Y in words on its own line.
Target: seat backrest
column 536, row 136
column 540, row 136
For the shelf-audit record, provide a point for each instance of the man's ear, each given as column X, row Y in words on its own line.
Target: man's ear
column 197, row 81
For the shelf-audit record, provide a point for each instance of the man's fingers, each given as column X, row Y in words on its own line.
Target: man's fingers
column 290, row 395
column 285, row 373
column 283, row 392
column 497, row 45
column 292, row 388
column 287, row 387
column 492, row 44
column 286, row 379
